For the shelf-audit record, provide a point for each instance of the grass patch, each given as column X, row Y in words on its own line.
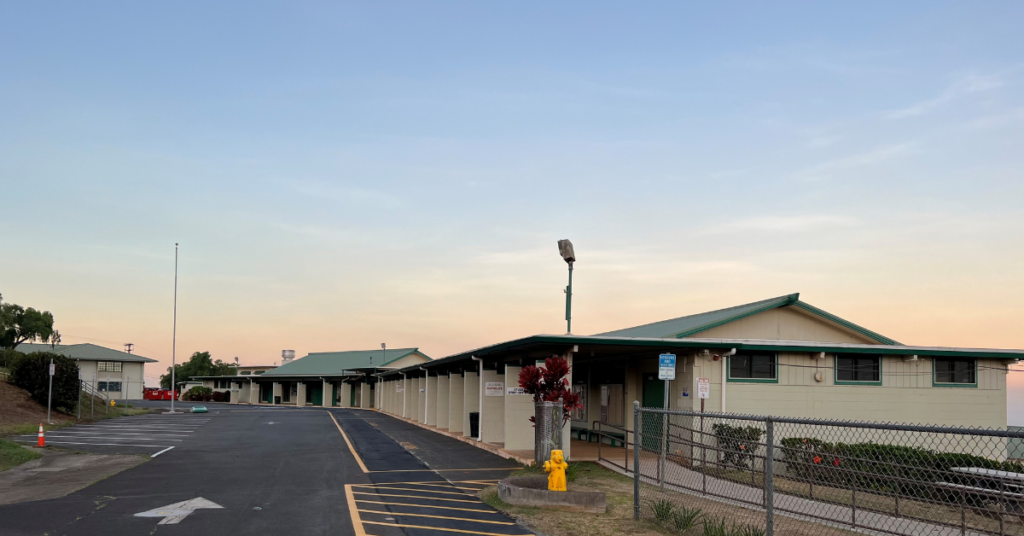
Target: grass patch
column 13, row 455
column 680, row 514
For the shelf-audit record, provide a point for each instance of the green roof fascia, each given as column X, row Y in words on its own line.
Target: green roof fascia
column 846, row 323
column 782, row 346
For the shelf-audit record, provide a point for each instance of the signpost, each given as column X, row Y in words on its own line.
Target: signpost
column 666, row 372
column 704, row 393
column 49, row 396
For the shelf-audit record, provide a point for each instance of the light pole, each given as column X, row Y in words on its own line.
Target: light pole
column 565, row 249
column 174, row 332
column 383, row 350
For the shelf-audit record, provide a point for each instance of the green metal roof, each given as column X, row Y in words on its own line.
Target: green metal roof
column 563, row 342
column 85, row 352
column 686, row 326
column 333, row 363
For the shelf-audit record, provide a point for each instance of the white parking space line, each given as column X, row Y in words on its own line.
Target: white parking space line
column 104, row 444
column 165, row 434
column 107, row 438
column 161, row 452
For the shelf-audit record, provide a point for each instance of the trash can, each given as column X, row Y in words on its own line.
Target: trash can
column 277, row 399
column 474, row 424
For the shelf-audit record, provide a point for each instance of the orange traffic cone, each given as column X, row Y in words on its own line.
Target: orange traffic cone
column 42, row 438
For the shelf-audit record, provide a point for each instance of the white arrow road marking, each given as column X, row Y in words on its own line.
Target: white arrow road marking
column 173, row 513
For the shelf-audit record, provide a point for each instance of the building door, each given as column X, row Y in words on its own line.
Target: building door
column 352, row 395
column 316, row 394
column 653, row 397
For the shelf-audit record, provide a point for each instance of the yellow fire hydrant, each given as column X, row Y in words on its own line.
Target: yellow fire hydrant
column 555, row 468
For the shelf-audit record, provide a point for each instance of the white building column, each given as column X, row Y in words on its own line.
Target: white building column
column 456, row 403
column 443, row 398
column 519, row 431
column 492, row 416
column 430, row 417
column 300, row 394
column 346, row 395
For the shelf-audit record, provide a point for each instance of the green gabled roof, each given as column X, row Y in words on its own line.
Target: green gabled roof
column 84, row 352
column 687, row 326
column 333, row 363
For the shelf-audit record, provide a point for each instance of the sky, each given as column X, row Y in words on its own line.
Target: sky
column 344, row 174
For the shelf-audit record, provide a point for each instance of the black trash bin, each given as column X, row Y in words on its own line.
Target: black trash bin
column 474, row 424
column 277, row 399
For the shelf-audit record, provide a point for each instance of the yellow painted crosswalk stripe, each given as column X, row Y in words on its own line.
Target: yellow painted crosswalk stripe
column 399, row 514
column 389, row 503
column 413, row 497
column 443, row 529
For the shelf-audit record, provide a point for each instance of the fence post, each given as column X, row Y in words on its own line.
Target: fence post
column 637, row 425
column 769, row 477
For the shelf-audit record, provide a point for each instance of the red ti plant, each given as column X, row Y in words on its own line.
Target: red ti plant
column 551, row 385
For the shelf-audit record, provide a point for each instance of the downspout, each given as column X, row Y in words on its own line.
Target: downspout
column 480, row 393
column 725, row 373
column 404, row 389
column 426, row 396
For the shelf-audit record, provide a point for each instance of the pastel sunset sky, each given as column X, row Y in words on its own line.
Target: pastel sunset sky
column 341, row 175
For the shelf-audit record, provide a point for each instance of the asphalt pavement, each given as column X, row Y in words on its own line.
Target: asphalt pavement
column 273, row 470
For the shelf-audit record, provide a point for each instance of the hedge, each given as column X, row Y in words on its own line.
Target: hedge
column 908, row 471
column 738, row 443
column 31, row 372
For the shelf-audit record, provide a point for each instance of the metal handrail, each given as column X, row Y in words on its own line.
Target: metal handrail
column 597, row 427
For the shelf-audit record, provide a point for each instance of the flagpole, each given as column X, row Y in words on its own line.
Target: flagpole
column 174, row 332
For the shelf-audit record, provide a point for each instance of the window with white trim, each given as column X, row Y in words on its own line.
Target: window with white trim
column 108, row 366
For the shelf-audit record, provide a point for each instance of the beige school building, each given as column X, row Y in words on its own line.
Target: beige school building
column 781, row 357
column 118, row 375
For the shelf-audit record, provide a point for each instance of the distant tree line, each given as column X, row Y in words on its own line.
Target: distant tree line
column 200, row 364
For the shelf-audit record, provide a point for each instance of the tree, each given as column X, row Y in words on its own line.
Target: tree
column 551, row 385
column 200, row 364
column 18, row 325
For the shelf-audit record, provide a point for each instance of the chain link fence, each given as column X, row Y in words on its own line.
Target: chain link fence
column 743, row 475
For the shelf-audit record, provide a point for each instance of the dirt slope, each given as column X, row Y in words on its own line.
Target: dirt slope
column 16, row 407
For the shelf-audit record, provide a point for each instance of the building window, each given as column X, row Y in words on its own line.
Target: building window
column 580, row 414
column 612, row 405
column 108, row 366
column 109, row 386
column 955, row 372
column 259, row 372
column 859, row 369
column 750, row 367
column 245, row 373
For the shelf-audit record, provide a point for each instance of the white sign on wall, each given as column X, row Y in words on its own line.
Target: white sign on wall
column 494, row 389
column 516, row 391
column 399, row 388
column 703, row 387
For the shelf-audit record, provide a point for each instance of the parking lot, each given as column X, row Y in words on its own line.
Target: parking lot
column 267, row 470
column 144, row 434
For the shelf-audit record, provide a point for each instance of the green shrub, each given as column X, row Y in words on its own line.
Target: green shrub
column 686, row 518
column 198, row 394
column 738, row 443
column 715, row 526
column 749, row 530
column 663, row 510
column 31, row 372
column 8, row 357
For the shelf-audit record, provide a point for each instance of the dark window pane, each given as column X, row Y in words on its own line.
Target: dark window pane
column 955, row 371
column 763, row 368
column 739, row 366
column 756, row 366
column 859, row 369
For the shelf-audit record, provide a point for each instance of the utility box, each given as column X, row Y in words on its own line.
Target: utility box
column 277, row 399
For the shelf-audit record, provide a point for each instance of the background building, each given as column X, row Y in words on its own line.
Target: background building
column 119, row 374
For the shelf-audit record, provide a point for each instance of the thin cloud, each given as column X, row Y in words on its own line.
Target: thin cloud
column 787, row 223
column 874, row 156
column 962, row 87
column 348, row 196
